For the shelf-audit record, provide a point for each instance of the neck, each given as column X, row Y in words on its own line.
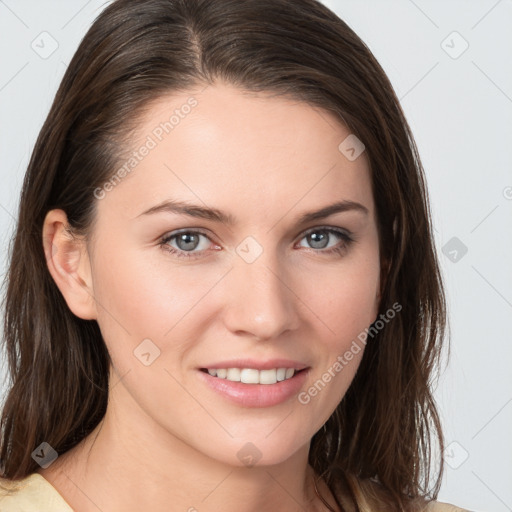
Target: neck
column 137, row 465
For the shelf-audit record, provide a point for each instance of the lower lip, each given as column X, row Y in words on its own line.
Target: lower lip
column 256, row 395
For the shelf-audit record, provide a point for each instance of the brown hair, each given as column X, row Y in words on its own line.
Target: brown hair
column 378, row 443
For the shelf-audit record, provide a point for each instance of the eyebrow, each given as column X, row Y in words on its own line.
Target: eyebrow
column 192, row 210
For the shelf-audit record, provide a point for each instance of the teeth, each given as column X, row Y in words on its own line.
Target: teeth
column 269, row 376
column 252, row 376
column 249, row 376
column 233, row 374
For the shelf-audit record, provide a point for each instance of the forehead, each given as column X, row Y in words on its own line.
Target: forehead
column 256, row 152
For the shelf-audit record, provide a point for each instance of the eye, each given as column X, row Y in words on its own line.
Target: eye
column 183, row 244
column 186, row 242
column 319, row 239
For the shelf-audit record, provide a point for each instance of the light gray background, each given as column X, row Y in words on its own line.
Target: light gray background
column 459, row 105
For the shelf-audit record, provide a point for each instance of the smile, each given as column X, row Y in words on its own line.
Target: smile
column 251, row 375
column 249, row 387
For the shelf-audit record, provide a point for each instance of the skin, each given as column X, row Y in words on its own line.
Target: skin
column 167, row 437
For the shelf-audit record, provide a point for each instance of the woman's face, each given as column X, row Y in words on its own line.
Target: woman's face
column 242, row 281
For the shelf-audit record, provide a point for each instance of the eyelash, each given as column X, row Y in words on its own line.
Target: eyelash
column 345, row 237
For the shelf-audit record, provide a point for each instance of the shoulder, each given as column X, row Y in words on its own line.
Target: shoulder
column 31, row 494
column 436, row 506
column 372, row 495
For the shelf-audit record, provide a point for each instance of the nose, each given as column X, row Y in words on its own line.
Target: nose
column 260, row 301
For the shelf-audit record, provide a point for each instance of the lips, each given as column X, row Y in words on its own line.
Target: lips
column 251, row 383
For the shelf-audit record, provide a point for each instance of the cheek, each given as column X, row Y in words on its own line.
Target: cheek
column 354, row 305
column 344, row 299
column 345, row 309
column 144, row 296
column 344, row 302
column 129, row 298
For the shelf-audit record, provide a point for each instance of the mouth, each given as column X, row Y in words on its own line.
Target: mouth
column 251, row 387
column 252, row 375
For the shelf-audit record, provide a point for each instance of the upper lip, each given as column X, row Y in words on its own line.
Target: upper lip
column 266, row 364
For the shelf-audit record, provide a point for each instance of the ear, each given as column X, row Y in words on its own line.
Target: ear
column 68, row 262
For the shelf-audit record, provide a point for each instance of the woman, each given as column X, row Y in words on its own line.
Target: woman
column 223, row 290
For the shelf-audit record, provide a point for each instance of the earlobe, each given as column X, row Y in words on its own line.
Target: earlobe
column 68, row 262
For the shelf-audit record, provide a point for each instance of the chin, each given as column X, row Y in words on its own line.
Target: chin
column 257, row 451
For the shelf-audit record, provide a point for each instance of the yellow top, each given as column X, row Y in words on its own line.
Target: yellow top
column 31, row 494
column 35, row 494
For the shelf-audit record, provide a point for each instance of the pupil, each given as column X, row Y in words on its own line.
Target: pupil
column 186, row 237
column 318, row 239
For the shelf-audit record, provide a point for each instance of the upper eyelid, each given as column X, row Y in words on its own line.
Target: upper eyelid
column 326, row 228
column 173, row 234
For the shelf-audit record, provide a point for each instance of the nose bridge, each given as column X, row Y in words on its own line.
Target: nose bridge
column 261, row 302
